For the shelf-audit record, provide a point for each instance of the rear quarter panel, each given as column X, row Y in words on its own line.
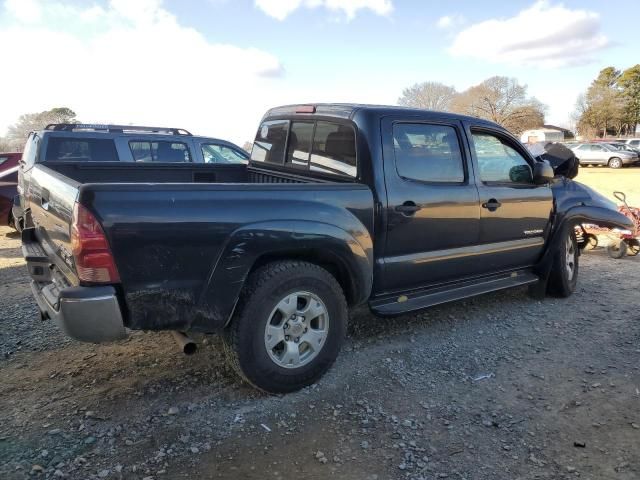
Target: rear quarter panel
column 183, row 251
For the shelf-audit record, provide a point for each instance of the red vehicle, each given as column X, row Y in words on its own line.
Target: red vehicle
column 8, row 185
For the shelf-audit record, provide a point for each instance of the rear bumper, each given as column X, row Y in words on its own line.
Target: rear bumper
column 88, row 314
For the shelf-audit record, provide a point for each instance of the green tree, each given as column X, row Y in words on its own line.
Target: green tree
column 629, row 83
column 17, row 134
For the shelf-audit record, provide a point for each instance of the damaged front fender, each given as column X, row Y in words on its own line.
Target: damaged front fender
column 575, row 204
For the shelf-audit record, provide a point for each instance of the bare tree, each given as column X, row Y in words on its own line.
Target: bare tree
column 428, row 95
column 248, row 146
column 502, row 100
column 18, row 133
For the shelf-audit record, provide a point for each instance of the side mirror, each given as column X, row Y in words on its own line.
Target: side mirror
column 542, row 173
column 521, row 174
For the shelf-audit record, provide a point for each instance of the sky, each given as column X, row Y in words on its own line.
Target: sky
column 215, row 66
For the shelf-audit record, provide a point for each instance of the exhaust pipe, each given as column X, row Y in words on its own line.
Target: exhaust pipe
column 186, row 343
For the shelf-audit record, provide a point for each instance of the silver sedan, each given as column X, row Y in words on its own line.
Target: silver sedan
column 603, row 154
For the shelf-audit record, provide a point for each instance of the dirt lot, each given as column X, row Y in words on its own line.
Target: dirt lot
column 499, row 387
column 606, row 180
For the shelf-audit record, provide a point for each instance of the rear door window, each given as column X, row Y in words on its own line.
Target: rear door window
column 81, row 150
column 428, row 153
column 159, row 151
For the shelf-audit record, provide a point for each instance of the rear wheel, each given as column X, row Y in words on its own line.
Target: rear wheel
column 289, row 326
column 564, row 273
column 615, row 162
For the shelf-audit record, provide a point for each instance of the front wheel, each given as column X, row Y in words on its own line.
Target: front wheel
column 615, row 162
column 564, row 273
column 289, row 325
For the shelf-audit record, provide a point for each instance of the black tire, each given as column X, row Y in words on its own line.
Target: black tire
column 615, row 162
column 617, row 249
column 561, row 282
column 245, row 338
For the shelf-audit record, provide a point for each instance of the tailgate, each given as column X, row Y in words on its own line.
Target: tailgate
column 51, row 198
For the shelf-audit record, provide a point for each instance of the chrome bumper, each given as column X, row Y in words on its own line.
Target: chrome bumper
column 88, row 314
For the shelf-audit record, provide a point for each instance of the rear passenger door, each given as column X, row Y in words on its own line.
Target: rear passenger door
column 515, row 213
column 433, row 215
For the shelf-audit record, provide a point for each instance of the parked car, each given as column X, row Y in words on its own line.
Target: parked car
column 139, row 149
column 8, row 185
column 340, row 205
column 633, row 142
column 623, row 147
column 603, row 154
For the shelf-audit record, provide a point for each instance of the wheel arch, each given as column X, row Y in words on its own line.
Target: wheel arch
column 348, row 256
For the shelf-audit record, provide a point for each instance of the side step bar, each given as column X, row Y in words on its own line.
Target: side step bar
column 417, row 300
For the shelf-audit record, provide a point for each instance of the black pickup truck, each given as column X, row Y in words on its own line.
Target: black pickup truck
column 340, row 205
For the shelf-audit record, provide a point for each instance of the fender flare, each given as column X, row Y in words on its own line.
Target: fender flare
column 353, row 251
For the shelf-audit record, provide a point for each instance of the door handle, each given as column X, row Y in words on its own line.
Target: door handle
column 492, row 205
column 407, row 208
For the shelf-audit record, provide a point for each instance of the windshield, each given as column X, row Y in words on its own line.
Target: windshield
column 213, row 153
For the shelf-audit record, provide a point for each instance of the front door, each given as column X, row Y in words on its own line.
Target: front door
column 433, row 213
column 515, row 213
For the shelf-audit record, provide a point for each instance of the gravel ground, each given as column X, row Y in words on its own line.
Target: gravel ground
column 498, row 387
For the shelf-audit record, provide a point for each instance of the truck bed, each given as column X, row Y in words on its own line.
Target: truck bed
column 184, row 240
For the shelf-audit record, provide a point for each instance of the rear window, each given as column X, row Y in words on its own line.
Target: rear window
column 3, row 159
column 168, row 152
column 270, row 142
column 81, row 150
column 319, row 146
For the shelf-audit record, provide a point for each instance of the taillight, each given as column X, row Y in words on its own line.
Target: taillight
column 91, row 252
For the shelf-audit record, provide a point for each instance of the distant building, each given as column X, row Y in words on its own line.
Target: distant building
column 541, row 135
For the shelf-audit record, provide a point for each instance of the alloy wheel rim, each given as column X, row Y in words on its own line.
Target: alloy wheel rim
column 570, row 262
column 296, row 330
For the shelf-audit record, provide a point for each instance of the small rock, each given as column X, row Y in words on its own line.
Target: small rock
column 636, row 426
column 364, row 444
column 571, row 469
column 173, row 411
column 55, row 431
column 194, row 450
column 90, row 440
column 37, row 468
column 579, row 444
column 58, row 473
column 103, row 473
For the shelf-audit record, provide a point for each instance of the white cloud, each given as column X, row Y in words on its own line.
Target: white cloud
column 281, row 9
column 449, row 21
column 131, row 62
column 543, row 35
column 24, row 10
